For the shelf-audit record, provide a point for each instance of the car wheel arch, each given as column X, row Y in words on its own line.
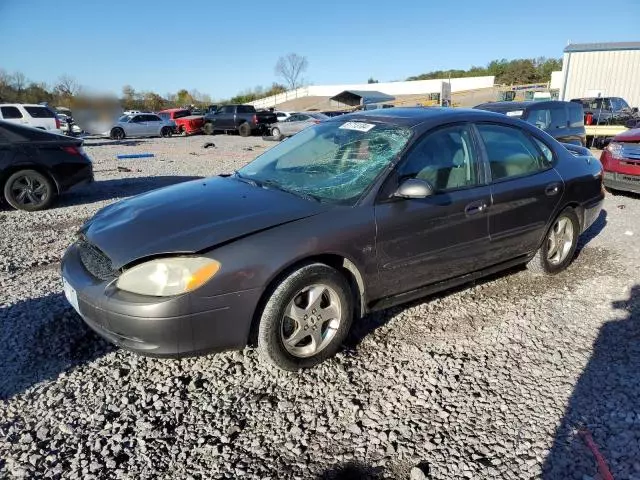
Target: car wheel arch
column 341, row 263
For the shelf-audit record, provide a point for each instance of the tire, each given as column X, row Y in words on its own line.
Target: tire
column 559, row 245
column 296, row 293
column 117, row 134
column 208, row 128
column 244, row 130
column 275, row 133
column 165, row 132
column 29, row 190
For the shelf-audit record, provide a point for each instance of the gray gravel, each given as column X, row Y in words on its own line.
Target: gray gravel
column 488, row 381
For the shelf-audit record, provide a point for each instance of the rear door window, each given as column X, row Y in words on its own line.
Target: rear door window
column 10, row 112
column 40, row 112
column 151, row 118
column 510, row 151
column 550, row 118
column 245, row 109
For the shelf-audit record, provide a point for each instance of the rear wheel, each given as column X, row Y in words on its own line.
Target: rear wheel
column 559, row 246
column 117, row 133
column 166, row 132
column 244, row 130
column 208, row 128
column 29, row 190
column 306, row 318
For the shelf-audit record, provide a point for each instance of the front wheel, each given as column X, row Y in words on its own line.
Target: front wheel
column 306, row 318
column 275, row 133
column 559, row 246
column 29, row 190
column 166, row 132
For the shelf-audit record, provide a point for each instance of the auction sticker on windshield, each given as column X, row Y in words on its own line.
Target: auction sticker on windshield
column 515, row 113
column 359, row 126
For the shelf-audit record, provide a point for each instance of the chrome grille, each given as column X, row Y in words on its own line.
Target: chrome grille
column 96, row 262
column 631, row 151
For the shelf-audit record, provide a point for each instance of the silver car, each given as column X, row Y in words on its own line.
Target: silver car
column 295, row 123
column 141, row 125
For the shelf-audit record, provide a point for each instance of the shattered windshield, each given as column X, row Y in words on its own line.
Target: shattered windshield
column 333, row 162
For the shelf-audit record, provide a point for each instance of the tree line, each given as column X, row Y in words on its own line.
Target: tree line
column 520, row 71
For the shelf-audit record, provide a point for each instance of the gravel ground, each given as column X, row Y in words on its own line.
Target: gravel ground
column 488, row 381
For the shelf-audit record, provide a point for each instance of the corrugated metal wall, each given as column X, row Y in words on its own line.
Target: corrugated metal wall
column 616, row 73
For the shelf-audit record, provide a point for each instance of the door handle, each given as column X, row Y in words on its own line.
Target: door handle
column 475, row 207
column 552, row 189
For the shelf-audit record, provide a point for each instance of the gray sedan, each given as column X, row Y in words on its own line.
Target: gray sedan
column 358, row 213
column 141, row 125
column 296, row 123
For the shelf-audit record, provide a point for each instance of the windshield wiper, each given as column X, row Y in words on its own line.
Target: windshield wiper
column 277, row 186
column 244, row 179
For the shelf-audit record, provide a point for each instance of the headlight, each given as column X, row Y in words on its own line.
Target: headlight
column 168, row 276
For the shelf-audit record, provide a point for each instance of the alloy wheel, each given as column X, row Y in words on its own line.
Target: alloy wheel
column 29, row 191
column 559, row 240
column 311, row 320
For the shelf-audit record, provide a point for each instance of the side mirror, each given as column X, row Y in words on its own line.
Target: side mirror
column 634, row 109
column 414, row 188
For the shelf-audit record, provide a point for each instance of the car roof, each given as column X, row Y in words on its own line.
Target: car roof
column 23, row 105
column 167, row 110
column 414, row 116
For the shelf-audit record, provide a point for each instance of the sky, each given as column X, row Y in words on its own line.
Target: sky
column 221, row 48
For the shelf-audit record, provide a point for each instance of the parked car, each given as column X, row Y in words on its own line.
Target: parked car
column 36, row 166
column 296, row 123
column 243, row 119
column 621, row 162
column 336, row 113
column 562, row 120
column 37, row 116
column 351, row 215
column 186, row 123
column 282, row 115
column 141, row 125
column 608, row 111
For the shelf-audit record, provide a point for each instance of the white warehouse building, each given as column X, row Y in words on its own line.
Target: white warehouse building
column 601, row 69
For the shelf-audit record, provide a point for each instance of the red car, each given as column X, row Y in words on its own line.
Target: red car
column 621, row 162
column 185, row 122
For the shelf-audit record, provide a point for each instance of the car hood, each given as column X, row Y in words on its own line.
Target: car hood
column 191, row 217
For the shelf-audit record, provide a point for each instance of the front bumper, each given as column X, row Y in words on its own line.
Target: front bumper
column 169, row 326
column 622, row 181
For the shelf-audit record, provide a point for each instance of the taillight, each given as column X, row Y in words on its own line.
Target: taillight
column 615, row 149
column 316, row 121
column 71, row 150
column 255, row 119
column 588, row 119
column 57, row 122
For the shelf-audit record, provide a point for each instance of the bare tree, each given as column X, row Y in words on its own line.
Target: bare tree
column 290, row 68
column 67, row 86
column 18, row 81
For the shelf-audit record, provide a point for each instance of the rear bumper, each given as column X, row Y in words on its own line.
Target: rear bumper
column 622, row 181
column 82, row 176
column 178, row 326
column 592, row 212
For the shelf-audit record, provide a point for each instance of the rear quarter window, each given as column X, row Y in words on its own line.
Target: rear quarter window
column 40, row 112
column 576, row 115
column 10, row 112
column 245, row 109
